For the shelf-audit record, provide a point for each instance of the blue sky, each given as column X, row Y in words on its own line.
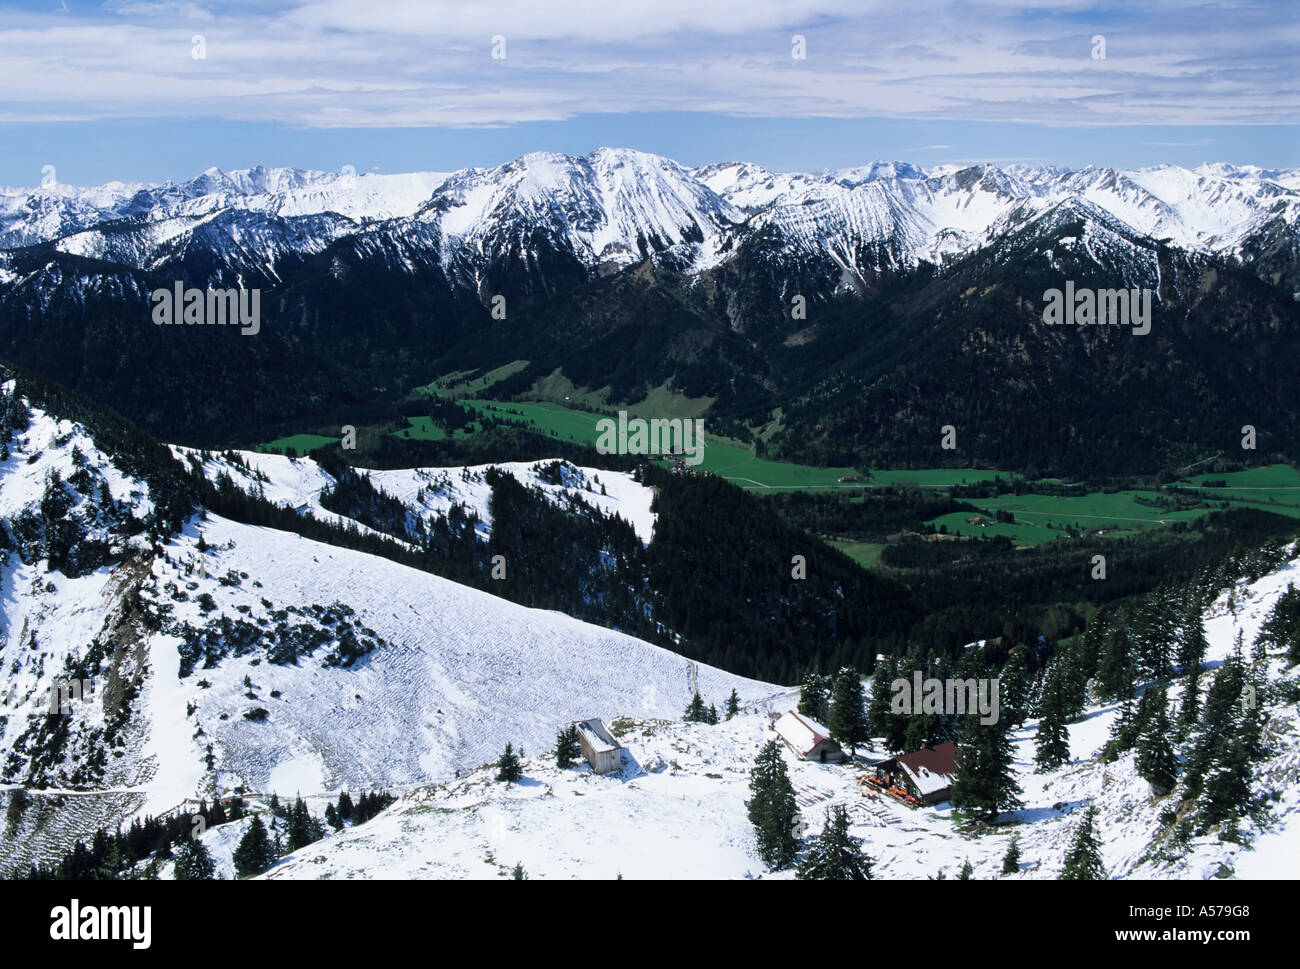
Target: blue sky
column 136, row 90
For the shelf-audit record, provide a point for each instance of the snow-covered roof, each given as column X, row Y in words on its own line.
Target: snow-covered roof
column 593, row 731
column 802, row 733
column 932, row 768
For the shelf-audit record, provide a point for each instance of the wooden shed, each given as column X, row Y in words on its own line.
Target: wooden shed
column 602, row 751
column 808, row 739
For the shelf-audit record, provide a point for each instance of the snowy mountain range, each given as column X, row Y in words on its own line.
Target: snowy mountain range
column 615, row 207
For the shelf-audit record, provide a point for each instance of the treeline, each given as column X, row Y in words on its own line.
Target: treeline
column 118, row 854
column 986, row 589
column 115, row 855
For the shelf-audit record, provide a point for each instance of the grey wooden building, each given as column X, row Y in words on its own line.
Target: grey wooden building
column 602, row 751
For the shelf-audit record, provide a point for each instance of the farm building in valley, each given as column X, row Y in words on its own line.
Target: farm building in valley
column 925, row 775
column 602, row 751
column 808, row 739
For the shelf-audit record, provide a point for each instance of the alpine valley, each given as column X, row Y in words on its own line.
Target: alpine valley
column 323, row 595
column 839, row 318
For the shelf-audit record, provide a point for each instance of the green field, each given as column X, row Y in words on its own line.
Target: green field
column 456, row 385
column 1039, row 518
column 866, row 554
column 1042, row 518
column 301, row 443
column 1119, row 512
column 423, row 429
column 1273, row 477
column 935, row 477
column 1274, row 488
column 733, row 462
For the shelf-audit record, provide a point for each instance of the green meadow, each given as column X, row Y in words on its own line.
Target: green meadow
column 459, row 384
column 1042, row 518
column 1039, row 518
column 866, row 554
column 1273, row 477
column 1274, row 488
column 934, row 477
column 301, row 443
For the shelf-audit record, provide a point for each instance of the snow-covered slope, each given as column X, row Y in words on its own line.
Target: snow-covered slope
column 454, row 673
column 678, row 808
column 232, row 656
column 298, row 483
column 612, row 207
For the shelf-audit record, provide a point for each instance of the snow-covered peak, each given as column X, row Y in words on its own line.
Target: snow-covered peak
column 612, row 206
column 617, row 206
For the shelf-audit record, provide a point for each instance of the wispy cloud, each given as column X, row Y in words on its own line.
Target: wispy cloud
column 338, row 63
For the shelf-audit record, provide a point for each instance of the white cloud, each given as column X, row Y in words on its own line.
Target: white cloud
column 401, row 62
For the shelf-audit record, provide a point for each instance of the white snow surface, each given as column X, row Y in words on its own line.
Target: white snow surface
column 462, row 673
column 677, row 809
column 298, row 482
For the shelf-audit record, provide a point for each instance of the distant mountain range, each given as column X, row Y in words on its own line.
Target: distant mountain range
column 616, row 207
column 922, row 295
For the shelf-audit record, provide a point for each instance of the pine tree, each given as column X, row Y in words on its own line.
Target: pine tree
column 193, row 862
column 733, row 704
column 567, row 748
column 1219, row 714
column 712, row 715
column 1155, row 629
column 517, row 873
column 878, row 712
column 254, row 853
column 345, row 806
column 986, row 781
column 1011, row 860
column 813, row 699
column 1052, row 744
column 695, row 712
column 1156, row 762
column 1191, row 654
column 1123, row 732
column 771, row 807
column 1280, row 631
column 1083, row 861
column 508, row 767
column 896, row 732
column 1227, row 747
column 301, row 828
column 332, row 817
column 967, row 870
column 835, row 855
column 1014, row 687
column 1073, row 672
column 848, row 716
column 919, row 728
column 1116, row 670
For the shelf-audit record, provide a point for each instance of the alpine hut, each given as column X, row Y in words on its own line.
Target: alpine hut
column 807, row 738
